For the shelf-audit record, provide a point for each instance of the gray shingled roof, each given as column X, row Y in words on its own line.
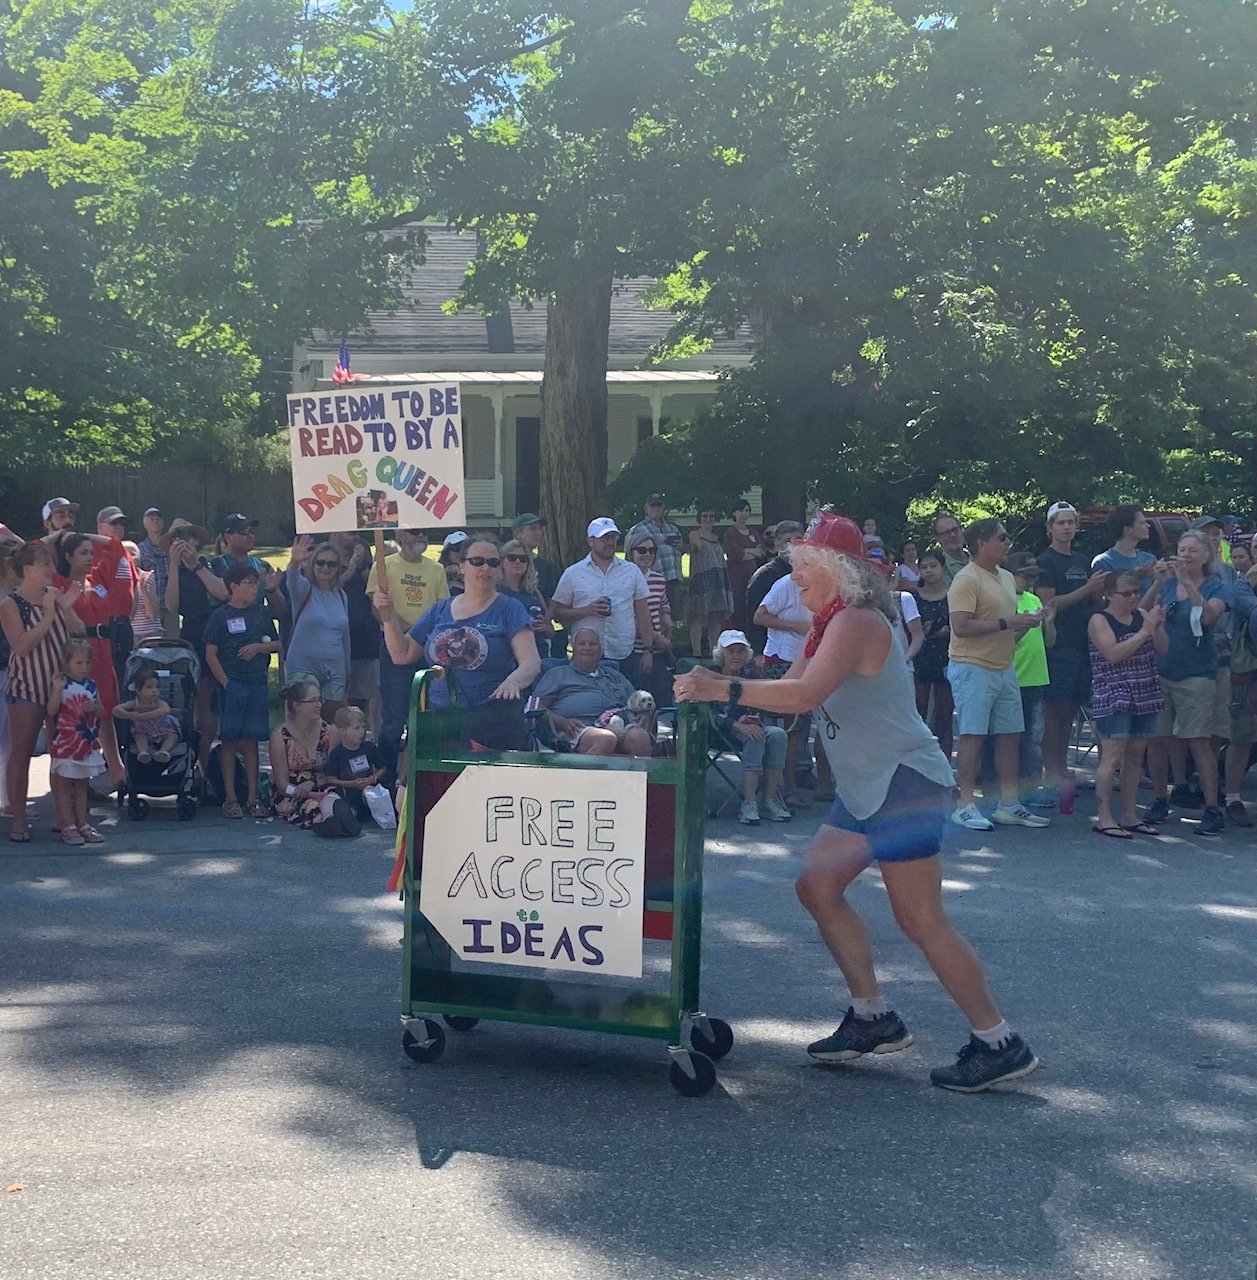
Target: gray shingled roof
column 423, row 328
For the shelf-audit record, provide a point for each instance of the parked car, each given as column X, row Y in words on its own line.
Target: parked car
column 1165, row 529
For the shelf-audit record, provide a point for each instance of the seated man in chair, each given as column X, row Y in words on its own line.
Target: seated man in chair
column 574, row 696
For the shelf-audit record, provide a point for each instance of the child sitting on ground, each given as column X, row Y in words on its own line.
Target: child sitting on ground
column 151, row 720
column 74, row 710
column 355, row 764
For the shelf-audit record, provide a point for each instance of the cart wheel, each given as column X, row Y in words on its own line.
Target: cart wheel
column 720, row 1042
column 428, row 1050
column 137, row 809
column 704, row 1076
column 460, row 1023
column 186, row 808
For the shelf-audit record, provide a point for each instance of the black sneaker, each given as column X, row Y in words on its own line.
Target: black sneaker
column 1185, row 796
column 978, row 1066
column 1158, row 811
column 1237, row 815
column 1212, row 821
column 857, row 1036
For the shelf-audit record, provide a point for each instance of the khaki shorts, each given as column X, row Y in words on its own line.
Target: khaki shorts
column 364, row 678
column 1243, row 721
column 1190, row 708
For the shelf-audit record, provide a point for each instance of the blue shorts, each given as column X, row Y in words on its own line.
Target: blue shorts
column 986, row 701
column 246, row 715
column 1126, row 724
column 910, row 823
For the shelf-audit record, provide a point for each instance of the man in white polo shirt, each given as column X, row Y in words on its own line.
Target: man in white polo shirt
column 610, row 594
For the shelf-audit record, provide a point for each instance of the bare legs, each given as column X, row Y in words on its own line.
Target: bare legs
column 1007, row 761
column 1129, row 753
column 24, row 722
column 832, row 862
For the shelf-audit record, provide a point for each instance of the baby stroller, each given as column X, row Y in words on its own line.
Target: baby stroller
column 178, row 669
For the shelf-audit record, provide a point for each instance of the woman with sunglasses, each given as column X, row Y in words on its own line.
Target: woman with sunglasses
column 484, row 642
column 1126, row 697
column 519, row 581
column 642, row 549
column 318, row 640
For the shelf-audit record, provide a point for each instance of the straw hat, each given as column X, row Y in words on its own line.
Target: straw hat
column 185, row 529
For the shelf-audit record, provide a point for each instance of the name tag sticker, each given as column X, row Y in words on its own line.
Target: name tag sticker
column 360, row 764
column 236, row 626
column 100, row 590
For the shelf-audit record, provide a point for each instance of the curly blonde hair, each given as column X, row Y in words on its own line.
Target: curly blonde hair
column 861, row 586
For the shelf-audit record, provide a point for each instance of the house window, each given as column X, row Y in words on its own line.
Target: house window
column 643, row 427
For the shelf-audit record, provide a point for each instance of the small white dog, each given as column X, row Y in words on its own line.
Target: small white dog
column 641, row 705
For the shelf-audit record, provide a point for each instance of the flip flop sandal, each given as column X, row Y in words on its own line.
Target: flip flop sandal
column 20, row 837
column 258, row 810
column 90, row 834
column 70, row 835
column 1113, row 833
column 1142, row 829
column 232, row 810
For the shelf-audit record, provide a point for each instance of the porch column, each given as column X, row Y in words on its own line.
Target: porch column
column 656, row 409
column 496, row 399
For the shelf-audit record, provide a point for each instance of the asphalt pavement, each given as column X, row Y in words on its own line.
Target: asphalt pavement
column 201, row 1076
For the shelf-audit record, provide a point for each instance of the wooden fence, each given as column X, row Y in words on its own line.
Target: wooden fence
column 203, row 495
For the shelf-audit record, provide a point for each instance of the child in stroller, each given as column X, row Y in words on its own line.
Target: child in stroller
column 151, row 720
column 145, row 734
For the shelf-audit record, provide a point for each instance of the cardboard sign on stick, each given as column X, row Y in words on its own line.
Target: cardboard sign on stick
column 377, row 457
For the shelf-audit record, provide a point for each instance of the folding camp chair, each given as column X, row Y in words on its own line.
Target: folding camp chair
column 724, row 775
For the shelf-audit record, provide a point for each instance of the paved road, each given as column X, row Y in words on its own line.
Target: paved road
column 200, row 1076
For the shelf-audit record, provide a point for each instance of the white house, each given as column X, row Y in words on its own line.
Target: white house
column 498, row 362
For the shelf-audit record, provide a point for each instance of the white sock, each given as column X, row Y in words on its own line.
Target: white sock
column 869, row 1007
column 996, row 1036
column 1233, row 797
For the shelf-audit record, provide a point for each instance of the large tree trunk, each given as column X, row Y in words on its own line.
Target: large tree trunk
column 574, row 414
column 783, row 501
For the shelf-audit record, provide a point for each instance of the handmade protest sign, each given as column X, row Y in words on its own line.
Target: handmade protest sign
column 377, row 457
column 543, row 868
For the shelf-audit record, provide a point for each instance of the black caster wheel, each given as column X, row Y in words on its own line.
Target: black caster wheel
column 186, row 808
column 703, row 1080
column 718, row 1044
column 459, row 1022
column 430, row 1048
column 137, row 809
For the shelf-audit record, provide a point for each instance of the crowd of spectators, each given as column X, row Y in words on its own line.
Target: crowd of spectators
column 1006, row 650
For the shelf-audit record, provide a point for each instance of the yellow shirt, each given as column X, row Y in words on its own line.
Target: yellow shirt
column 987, row 596
column 415, row 586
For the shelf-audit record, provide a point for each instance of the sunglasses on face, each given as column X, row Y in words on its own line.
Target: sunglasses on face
column 327, row 564
column 514, row 558
column 644, row 551
column 480, row 561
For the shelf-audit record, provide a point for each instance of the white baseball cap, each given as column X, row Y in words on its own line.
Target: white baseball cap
column 729, row 638
column 457, row 538
column 58, row 504
column 1059, row 508
column 601, row 527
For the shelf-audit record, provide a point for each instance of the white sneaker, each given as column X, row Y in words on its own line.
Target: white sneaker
column 777, row 811
column 1017, row 815
column 749, row 813
column 970, row 816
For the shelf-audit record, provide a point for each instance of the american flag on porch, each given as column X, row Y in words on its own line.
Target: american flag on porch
column 341, row 374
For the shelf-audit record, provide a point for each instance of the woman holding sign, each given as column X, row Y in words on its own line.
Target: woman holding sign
column 894, row 790
column 318, row 641
column 484, row 642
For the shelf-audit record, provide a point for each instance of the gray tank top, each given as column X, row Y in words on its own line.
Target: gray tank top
column 870, row 726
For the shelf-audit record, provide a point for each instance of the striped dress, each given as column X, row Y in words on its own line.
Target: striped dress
column 657, row 597
column 30, row 674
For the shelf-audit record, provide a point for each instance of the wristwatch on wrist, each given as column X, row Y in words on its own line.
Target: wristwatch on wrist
column 735, row 692
column 1003, row 624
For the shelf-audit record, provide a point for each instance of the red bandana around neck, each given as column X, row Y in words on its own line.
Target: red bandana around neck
column 819, row 623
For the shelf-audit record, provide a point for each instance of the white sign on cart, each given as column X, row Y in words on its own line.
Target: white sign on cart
column 539, row 867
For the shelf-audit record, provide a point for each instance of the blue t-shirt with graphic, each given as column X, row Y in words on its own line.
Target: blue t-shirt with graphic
column 475, row 652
